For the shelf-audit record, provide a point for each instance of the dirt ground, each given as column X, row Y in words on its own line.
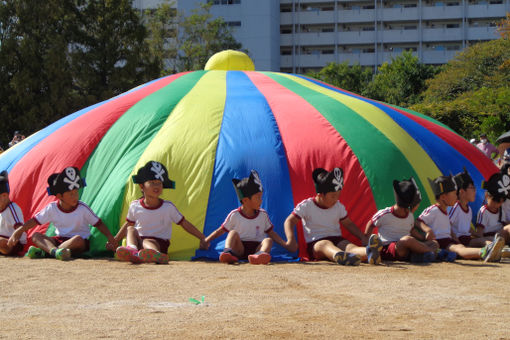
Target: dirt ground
column 103, row 298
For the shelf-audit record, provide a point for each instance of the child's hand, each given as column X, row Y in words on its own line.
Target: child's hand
column 204, row 245
column 429, row 236
column 112, row 244
column 15, row 237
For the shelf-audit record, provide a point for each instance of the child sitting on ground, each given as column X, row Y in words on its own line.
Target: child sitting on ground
column 436, row 217
column 11, row 218
column 70, row 216
column 395, row 226
column 491, row 219
column 460, row 214
column 321, row 217
column 247, row 225
column 148, row 225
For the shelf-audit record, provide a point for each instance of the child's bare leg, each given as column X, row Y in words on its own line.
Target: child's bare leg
column 75, row 244
column 150, row 243
column 325, row 249
column 354, row 249
column 234, row 242
column 265, row 245
column 505, row 233
column 465, row 252
column 43, row 242
column 132, row 238
column 409, row 244
column 480, row 242
column 432, row 244
column 4, row 248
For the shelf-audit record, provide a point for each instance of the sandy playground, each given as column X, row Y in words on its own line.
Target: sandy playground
column 106, row 299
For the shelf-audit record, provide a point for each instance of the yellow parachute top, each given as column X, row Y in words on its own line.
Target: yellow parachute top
column 230, row 60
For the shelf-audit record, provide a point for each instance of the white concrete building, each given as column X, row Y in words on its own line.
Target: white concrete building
column 301, row 35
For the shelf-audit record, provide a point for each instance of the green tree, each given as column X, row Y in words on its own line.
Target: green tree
column 36, row 83
column 111, row 54
column 162, row 27
column 200, row 37
column 351, row 78
column 401, row 81
column 472, row 93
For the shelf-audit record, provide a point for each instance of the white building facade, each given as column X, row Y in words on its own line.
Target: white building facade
column 301, row 35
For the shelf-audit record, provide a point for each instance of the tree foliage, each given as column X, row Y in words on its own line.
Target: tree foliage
column 401, row 81
column 351, row 78
column 472, row 93
column 200, row 37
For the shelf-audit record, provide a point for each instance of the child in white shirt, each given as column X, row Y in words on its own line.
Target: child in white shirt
column 148, row 225
column 69, row 215
column 247, row 226
column 11, row 218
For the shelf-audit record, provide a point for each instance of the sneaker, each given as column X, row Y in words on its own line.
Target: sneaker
column 152, row 256
column 228, row 257
column 34, row 253
column 127, row 254
column 492, row 252
column 422, row 257
column 373, row 249
column 347, row 259
column 505, row 252
column 259, row 258
column 444, row 255
column 63, row 254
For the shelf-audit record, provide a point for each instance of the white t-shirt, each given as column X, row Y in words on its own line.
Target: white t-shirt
column 391, row 227
column 319, row 222
column 489, row 220
column 437, row 220
column 460, row 219
column 506, row 210
column 154, row 222
column 249, row 228
column 10, row 219
column 68, row 223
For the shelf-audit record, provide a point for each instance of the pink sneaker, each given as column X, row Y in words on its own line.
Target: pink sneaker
column 152, row 256
column 227, row 257
column 259, row 258
column 127, row 254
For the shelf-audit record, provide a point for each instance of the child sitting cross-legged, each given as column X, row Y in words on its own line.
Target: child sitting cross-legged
column 321, row 216
column 436, row 218
column 396, row 230
column 70, row 216
column 491, row 220
column 247, row 226
column 460, row 214
column 11, row 217
column 148, row 225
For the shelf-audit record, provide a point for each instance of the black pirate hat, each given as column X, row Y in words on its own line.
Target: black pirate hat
column 4, row 182
column 442, row 184
column 153, row 171
column 407, row 193
column 328, row 181
column 463, row 179
column 247, row 186
column 67, row 180
column 498, row 185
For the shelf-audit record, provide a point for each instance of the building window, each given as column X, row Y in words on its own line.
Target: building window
column 233, row 23
column 452, row 25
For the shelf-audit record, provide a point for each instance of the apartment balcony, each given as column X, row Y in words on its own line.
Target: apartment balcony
column 313, row 38
column 437, row 57
column 482, row 33
column 442, row 34
column 394, row 14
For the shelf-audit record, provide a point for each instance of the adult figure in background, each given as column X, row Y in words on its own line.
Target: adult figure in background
column 503, row 148
column 18, row 137
column 486, row 147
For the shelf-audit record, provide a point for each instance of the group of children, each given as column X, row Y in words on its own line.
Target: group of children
column 442, row 232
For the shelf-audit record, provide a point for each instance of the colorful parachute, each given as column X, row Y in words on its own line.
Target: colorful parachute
column 210, row 126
